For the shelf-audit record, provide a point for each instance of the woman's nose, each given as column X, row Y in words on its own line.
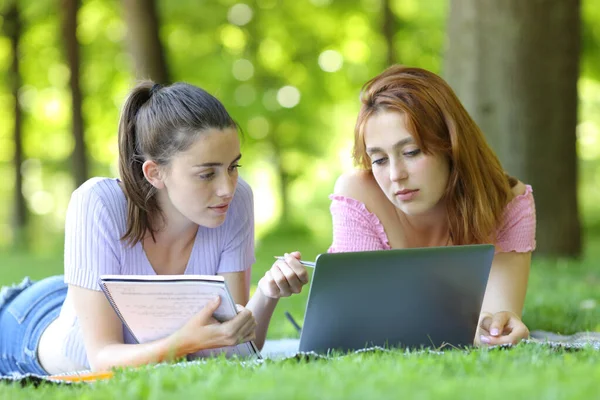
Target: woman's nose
column 226, row 186
column 398, row 171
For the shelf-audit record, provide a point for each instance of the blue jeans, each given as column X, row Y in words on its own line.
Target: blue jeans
column 26, row 310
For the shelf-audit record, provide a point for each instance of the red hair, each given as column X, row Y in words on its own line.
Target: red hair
column 478, row 189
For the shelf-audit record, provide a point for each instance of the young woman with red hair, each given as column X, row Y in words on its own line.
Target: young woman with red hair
column 428, row 178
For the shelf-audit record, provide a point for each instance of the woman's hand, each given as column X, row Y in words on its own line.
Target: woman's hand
column 285, row 277
column 501, row 328
column 202, row 331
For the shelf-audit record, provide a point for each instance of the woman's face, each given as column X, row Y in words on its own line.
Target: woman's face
column 200, row 182
column 413, row 181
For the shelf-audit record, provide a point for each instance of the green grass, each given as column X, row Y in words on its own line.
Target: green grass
column 526, row 371
column 563, row 296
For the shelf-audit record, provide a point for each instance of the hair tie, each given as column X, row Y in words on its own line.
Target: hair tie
column 155, row 88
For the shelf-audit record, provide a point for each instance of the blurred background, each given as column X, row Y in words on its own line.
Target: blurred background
column 290, row 73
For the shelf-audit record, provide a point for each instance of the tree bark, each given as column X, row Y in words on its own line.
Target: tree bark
column 514, row 64
column 388, row 30
column 144, row 41
column 12, row 27
column 80, row 159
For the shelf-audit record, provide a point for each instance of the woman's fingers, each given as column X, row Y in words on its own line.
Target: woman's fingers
column 502, row 328
column 280, row 279
column 250, row 336
column 238, row 327
column 518, row 330
column 494, row 324
column 236, row 323
column 292, row 278
column 499, row 322
column 285, row 277
column 513, row 337
column 293, row 263
column 268, row 286
column 248, row 328
column 296, row 255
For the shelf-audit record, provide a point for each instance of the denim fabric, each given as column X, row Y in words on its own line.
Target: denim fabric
column 26, row 310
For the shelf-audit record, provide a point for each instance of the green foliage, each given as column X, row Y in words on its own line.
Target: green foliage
column 289, row 72
column 590, row 35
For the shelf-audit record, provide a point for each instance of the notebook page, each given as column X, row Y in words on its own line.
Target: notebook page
column 154, row 310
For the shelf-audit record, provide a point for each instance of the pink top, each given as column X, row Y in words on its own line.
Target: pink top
column 357, row 229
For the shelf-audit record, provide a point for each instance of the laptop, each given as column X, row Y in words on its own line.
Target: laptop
column 408, row 298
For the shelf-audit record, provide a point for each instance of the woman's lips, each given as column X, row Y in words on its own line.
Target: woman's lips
column 407, row 194
column 221, row 208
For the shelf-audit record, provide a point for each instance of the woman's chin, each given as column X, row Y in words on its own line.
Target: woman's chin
column 213, row 221
column 413, row 209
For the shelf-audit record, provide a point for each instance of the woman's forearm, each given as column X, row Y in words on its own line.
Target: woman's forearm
column 168, row 348
column 262, row 308
column 133, row 355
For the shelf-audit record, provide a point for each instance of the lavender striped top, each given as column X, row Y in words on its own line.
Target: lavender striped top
column 95, row 222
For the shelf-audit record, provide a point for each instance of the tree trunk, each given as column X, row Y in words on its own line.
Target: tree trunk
column 284, row 179
column 79, row 160
column 515, row 64
column 388, row 30
column 144, row 40
column 12, row 27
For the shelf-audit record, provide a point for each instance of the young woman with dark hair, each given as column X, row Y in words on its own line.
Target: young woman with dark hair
column 179, row 207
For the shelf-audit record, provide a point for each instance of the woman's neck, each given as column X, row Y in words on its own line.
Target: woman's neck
column 426, row 230
column 172, row 229
column 174, row 237
column 170, row 250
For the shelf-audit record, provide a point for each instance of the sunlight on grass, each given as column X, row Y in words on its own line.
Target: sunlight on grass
column 557, row 291
column 526, row 371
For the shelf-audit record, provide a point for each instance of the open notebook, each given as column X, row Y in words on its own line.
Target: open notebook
column 154, row 306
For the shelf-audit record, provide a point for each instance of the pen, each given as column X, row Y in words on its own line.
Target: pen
column 305, row 263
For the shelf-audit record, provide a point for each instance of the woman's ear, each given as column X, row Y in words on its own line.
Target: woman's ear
column 152, row 173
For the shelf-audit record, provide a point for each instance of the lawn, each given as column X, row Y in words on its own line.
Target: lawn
column 563, row 296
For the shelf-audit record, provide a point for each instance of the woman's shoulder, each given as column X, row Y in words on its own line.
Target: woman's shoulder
column 100, row 195
column 522, row 197
column 517, row 228
column 100, row 188
column 520, row 189
column 359, row 190
column 359, row 185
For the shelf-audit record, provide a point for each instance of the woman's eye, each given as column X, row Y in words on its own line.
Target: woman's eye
column 412, row 153
column 234, row 167
column 208, row 176
column 379, row 161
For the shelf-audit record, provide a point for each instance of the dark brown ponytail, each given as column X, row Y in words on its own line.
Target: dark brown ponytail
column 139, row 192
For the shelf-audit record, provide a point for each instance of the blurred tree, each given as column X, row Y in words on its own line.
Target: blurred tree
column 389, row 30
column 80, row 159
column 12, row 28
column 515, row 66
column 263, row 80
column 144, row 40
